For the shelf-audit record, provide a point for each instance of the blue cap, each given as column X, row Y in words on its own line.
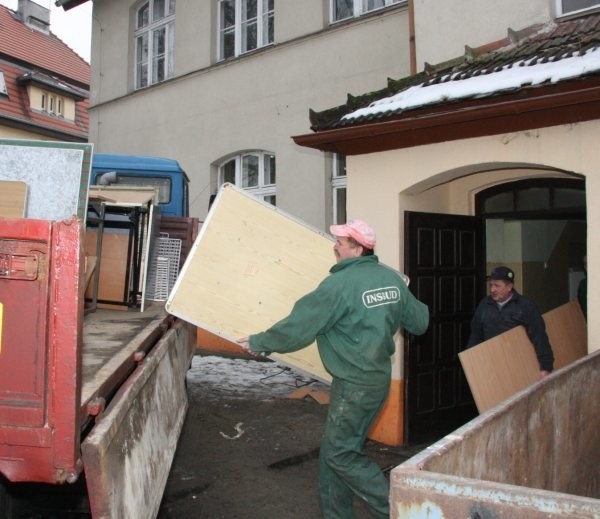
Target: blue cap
column 502, row 274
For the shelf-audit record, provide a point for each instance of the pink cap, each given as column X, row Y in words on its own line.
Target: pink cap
column 362, row 232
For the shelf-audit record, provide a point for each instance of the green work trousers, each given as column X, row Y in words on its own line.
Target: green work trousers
column 344, row 468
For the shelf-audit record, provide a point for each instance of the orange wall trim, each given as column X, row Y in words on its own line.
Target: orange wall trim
column 389, row 426
column 210, row 344
column 387, row 429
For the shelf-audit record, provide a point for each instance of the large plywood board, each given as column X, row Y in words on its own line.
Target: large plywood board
column 247, row 267
column 500, row 367
column 13, row 196
column 567, row 331
column 56, row 173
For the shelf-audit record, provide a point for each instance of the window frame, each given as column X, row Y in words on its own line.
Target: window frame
column 3, row 89
column 512, row 190
column 339, row 181
column 560, row 11
column 262, row 190
column 358, row 9
column 146, row 33
column 264, row 20
column 52, row 104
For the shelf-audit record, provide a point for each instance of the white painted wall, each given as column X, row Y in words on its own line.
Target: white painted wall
column 444, row 178
column 443, row 28
column 258, row 101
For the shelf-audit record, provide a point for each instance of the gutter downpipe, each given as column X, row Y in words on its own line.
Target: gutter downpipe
column 412, row 44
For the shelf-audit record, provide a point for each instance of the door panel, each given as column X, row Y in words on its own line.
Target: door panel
column 445, row 260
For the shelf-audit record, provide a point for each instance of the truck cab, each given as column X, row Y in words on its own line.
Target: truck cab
column 127, row 170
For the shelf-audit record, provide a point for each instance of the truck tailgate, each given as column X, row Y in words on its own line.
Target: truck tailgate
column 128, row 453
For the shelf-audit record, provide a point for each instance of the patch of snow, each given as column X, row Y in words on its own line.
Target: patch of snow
column 213, row 377
column 509, row 78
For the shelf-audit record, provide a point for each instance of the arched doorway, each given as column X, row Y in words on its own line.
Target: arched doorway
column 538, row 227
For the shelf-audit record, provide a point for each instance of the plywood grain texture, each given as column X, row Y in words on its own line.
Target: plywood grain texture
column 56, row 173
column 13, row 198
column 499, row 367
column 247, row 267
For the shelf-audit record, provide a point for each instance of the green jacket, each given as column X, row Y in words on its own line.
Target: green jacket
column 353, row 315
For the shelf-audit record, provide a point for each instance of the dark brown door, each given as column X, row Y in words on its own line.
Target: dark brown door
column 445, row 260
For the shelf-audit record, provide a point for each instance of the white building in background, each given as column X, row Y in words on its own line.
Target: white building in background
column 222, row 85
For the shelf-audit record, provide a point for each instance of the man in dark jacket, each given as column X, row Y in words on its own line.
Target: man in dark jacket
column 505, row 309
column 353, row 315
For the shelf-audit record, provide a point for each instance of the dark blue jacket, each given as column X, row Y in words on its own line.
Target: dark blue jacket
column 490, row 320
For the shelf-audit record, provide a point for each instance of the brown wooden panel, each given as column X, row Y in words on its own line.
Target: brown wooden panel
column 567, row 331
column 13, row 197
column 443, row 257
column 113, row 264
column 499, row 367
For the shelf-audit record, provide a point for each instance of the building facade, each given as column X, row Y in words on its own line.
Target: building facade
column 484, row 159
column 221, row 86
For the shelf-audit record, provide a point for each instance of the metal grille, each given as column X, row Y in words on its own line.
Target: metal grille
column 164, row 267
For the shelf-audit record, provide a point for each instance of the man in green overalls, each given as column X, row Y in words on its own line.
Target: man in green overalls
column 353, row 315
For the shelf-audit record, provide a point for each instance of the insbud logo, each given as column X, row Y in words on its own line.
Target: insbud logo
column 381, row 296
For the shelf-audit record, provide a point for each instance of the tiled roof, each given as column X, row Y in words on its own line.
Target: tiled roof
column 46, row 52
column 549, row 43
column 15, row 108
column 28, row 56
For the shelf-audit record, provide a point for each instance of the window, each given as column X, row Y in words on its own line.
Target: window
column 253, row 172
column 525, row 198
column 574, row 6
column 338, row 189
column 3, row 84
column 344, row 9
column 154, row 40
column 51, row 103
column 244, row 25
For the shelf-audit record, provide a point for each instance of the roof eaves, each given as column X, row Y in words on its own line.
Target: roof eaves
column 48, row 130
column 334, row 116
column 539, row 43
column 53, row 84
column 69, row 4
column 550, row 105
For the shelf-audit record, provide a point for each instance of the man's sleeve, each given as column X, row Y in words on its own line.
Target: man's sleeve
column 415, row 314
column 310, row 315
column 476, row 335
column 536, row 330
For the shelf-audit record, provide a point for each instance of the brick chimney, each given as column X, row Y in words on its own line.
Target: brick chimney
column 34, row 15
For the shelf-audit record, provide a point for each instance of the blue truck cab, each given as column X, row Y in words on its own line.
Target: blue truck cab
column 166, row 174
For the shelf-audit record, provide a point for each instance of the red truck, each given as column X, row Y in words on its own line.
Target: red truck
column 91, row 403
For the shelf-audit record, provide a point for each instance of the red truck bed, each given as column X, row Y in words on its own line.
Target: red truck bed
column 106, row 397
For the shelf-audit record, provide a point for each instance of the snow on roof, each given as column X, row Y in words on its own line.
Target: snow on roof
column 522, row 73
